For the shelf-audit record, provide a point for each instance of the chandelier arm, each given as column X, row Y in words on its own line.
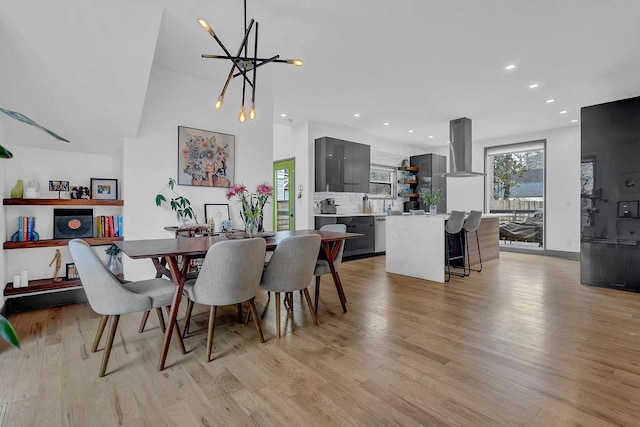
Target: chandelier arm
column 264, row 61
column 255, row 65
column 245, row 58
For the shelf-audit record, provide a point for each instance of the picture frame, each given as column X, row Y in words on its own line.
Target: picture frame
column 71, row 272
column 58, row 185
column 104, row 189
column 205, row 158
column 218, row 212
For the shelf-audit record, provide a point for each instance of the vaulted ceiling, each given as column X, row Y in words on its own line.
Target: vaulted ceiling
column 82, row 67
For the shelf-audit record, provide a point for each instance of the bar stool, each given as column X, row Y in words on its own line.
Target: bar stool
column 453, row 227
column 471, row 225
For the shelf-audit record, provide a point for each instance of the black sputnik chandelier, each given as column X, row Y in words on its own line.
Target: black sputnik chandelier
column 242, row 64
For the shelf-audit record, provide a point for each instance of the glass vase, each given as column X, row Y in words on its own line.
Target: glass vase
column 433, row 210
column 114, row 265
column 251, row 225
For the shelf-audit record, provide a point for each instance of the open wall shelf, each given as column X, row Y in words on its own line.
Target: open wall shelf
column 61, row 202
column 92, row 241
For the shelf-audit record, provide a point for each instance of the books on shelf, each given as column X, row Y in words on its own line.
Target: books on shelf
column 108, row 225
column 26, row 232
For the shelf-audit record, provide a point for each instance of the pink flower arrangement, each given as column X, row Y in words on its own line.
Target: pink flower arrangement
column 252, row 203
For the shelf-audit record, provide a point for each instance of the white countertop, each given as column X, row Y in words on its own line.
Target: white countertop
column 384, row 214
column 353, row 214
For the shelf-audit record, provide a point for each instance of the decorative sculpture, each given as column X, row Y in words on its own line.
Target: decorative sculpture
column 57, row 258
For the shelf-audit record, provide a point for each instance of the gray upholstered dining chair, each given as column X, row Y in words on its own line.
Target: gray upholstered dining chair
column 111, row 297
column 291, row 269
column 230, row 275
column 453, row 228
column 322, row 265
column 471, row 225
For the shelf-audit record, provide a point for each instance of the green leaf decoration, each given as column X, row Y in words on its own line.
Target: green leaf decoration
column 24, row 119
column 4, row 153
column 8, row 333
column 159, row 199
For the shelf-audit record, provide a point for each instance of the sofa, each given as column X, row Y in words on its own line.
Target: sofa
column 529, row 230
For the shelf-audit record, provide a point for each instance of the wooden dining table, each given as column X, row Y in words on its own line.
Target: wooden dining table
column 171, row 258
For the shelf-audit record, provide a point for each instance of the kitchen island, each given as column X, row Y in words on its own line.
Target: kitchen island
column 415, row 244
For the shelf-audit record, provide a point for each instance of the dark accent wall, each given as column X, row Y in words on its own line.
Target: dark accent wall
column 610, row 218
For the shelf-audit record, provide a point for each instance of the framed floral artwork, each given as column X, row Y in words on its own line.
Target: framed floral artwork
column 205, row 158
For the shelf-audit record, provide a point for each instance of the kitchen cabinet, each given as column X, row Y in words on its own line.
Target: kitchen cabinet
column 355, row 224
column 341, row 166
column 430, row 169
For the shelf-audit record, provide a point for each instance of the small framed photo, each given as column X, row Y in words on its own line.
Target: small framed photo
column 72, row 272
column 217, row 213
column 104, row 188
column 58, row 185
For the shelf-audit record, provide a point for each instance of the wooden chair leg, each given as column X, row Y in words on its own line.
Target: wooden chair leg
column 187, row 318
column 143, row 322
column 107, row 348
column 317, row 294
column 96, row 340
column 256, row 320
column 160, row 319
column 176, row 331
column 239, row 306
column 278, row 313
column 311, row 310
column 212, row 324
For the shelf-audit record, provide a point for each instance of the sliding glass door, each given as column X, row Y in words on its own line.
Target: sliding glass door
column 515, row 190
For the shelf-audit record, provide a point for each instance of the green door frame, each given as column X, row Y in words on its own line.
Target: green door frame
column 290, row 165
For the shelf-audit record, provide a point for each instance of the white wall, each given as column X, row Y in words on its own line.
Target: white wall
column 562, row 202
column 283, row 144
column 174, row 100
column 44, row 165
column 3, row 167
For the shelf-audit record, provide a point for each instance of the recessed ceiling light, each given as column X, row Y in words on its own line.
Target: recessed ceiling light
column 549, row 101
column 385, row 124
column 430, row 136
column 410, row 131
column 356, row 115
column 563, row 112
column 283, row 115
column 574, row 121
column 510, row 67
column 533, row 85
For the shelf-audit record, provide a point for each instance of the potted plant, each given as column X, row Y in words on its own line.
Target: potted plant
column 8, row 333
column 179, row 204
column 431, row 198
column 6, row 154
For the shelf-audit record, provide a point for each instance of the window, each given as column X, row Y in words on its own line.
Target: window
column 382, row 181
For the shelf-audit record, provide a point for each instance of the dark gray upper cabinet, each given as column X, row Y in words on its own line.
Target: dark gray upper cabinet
column 342, row 166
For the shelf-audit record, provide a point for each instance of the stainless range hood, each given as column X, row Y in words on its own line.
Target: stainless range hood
column 460, row 149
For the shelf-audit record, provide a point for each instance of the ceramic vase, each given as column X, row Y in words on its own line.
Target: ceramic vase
column 17, row 191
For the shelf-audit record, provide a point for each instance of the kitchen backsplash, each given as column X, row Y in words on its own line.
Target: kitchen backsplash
column 350, row 203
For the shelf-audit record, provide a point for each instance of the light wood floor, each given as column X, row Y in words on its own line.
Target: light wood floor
column 522, row 343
